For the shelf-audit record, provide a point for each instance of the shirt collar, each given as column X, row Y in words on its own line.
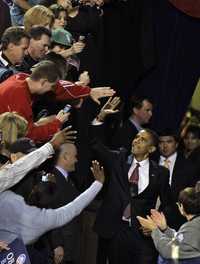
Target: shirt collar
column 138, row 127
column 171, row 158
column 142, row 163
column 3, row 59
column 62, row 171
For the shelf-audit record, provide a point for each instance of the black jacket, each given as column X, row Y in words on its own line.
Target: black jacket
column 117, row 196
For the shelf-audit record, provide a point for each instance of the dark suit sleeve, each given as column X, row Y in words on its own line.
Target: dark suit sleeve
column 165, row 193
column 103, row 153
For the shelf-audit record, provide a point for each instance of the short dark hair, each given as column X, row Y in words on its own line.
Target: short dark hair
column 60, row 62
column 37, row 32
column 190, row 199
column 13, row 35
column 42, row 194
column 169, row 132
column 137, row 101
column 154, row 136
column 45, row 70
column 56, row 9
column 195, row 130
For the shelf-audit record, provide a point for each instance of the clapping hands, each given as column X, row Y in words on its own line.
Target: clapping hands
column 156, row 220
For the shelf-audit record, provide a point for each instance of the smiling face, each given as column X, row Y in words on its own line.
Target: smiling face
column 142, row 145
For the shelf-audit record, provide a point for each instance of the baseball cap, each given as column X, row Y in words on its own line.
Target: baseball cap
column 23, row 145
column 62, row 37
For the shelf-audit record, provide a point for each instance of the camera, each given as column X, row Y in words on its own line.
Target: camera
column 81, row 38
column 46, row 177
column 67, row 108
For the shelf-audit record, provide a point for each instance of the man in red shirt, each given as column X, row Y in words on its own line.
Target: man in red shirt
column 17, row 94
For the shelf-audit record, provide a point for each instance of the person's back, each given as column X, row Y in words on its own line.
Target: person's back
column 12, row 92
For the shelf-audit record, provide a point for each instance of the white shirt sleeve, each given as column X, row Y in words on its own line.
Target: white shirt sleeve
column 13, row 173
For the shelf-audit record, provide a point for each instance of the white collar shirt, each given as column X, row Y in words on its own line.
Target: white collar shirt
column 143, row 173
column 171, row 162
column 63, row 172
column 138, row 127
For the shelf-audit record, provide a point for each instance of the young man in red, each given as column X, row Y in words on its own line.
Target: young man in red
column 18, row 92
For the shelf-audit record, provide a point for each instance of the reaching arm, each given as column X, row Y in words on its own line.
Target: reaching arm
column 13, row 173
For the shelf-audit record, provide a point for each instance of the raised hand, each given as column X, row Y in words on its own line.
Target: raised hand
column 159, row 219
column 97, row 171
column 109, row 108
column 84, row 78
column 67, row 135
column 100, row 92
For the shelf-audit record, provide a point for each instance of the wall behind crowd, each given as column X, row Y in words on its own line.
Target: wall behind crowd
column 151, row 49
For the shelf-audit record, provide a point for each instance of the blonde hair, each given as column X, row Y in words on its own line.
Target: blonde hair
column 38, row 15
column 12, row 126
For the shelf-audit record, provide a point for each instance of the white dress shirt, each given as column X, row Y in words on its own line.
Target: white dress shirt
column 171, row 162
column 13, row 173
column 143, row 173
column 138, row 126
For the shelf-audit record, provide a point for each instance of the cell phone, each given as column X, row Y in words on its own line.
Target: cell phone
column 81, row 38
column 67, row 108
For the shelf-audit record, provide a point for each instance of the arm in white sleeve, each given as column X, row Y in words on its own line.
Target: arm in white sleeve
column 13, row 173
column 54, row 218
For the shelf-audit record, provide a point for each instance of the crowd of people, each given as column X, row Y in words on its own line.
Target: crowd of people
column 57, row 134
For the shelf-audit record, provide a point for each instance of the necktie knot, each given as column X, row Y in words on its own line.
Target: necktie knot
column 166, row 163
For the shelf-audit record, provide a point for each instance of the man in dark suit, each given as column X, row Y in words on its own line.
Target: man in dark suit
column 120, row 235
column 141, row 113
column 181, row 170
column 66, row 240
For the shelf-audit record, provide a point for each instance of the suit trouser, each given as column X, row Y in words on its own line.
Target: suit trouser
column 128, row 246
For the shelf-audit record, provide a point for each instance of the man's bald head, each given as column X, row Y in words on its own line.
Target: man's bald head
column 67, row 157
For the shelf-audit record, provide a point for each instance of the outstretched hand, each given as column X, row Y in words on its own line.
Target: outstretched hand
column 67, row 135
column 100, row 92
column 109, row 108
column 98, row 171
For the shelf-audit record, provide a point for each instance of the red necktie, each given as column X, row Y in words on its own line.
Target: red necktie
column 133, row 189
column 134, row 181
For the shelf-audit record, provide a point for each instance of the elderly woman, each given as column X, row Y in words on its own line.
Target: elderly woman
column 182, row 246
